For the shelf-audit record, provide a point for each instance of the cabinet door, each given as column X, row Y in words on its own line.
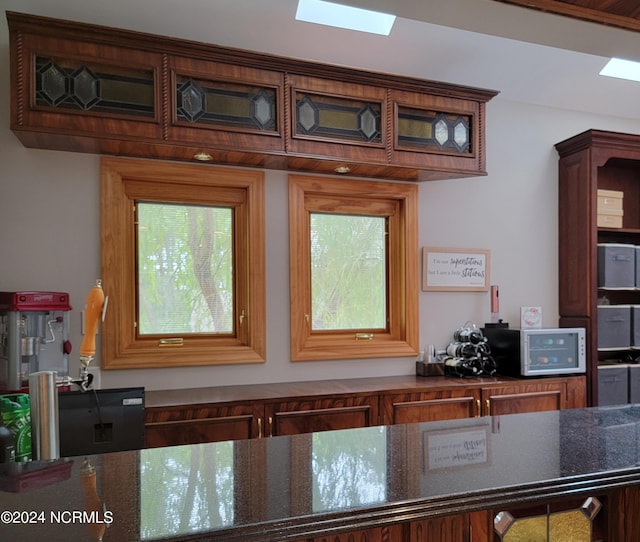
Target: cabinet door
column 336, row 119
column 429, row 406
column 225, row 107
column 524, row 397
column 192, row 425
column 76, row 88
column 438, row 133
column 312, row 415
column 580, row 519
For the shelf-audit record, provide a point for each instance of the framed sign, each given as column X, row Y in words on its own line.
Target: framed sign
column 455, row 269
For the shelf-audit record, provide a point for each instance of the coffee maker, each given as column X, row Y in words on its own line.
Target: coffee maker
column 34, row 336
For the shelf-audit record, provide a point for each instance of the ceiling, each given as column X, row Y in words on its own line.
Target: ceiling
column 528, row 55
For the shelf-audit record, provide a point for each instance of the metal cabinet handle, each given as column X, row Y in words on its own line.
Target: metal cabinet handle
column 259, row 427
column 478, row 406
column 270, row 426
column 487, row 405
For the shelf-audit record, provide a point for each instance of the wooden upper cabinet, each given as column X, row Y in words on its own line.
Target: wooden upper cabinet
column 444, row 135
column 88, row 88
column 340, row 120
column 65, row 92
column 225, row 106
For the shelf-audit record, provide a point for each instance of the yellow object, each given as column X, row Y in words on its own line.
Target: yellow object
column 610, row 200
column 610, row 208
column 92, row 315
column 610, row 219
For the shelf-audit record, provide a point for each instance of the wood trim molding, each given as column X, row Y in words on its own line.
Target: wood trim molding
column 595, row 11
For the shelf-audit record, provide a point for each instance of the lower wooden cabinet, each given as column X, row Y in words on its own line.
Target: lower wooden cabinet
column 192, row 425
column 423, row 401
column 474, row 401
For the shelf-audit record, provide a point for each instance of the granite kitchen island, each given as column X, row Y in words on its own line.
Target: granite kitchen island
column 456, row 480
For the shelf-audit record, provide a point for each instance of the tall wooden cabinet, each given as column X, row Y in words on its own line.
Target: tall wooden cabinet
column 590, row 161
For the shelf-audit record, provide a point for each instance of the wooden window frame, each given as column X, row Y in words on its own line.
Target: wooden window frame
column 402, row 336
column 124, row 181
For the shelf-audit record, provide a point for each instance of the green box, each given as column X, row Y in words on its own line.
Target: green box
column 16, row 412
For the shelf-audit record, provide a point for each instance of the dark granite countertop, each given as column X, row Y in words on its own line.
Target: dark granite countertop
column 289, row 488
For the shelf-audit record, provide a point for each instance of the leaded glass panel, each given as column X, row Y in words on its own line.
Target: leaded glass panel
column 338, row 118
column 574, row 525
column 67, row 84
column 226, row 104
column 86, row 87
column 434, row 131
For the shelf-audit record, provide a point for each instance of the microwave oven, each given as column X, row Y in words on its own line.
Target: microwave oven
column 537, row 352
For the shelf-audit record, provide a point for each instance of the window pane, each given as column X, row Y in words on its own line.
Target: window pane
column 185, row 269
column 348, row 272
column 185, row 489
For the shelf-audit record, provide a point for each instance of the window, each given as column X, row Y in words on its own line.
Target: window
column 182, row 264
column 354, row 268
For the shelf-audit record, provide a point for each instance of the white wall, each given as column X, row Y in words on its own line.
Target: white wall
column 50, row 236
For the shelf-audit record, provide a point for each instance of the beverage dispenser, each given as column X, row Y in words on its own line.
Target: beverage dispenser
column 34, row 336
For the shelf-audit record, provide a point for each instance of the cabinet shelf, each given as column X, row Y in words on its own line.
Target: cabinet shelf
column 609, row 289
column 621, row 231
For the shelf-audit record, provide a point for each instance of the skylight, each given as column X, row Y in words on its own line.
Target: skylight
column 622, row 69
column 331, row 14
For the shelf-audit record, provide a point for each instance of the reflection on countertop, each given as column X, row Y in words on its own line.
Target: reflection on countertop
column 266, row 489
